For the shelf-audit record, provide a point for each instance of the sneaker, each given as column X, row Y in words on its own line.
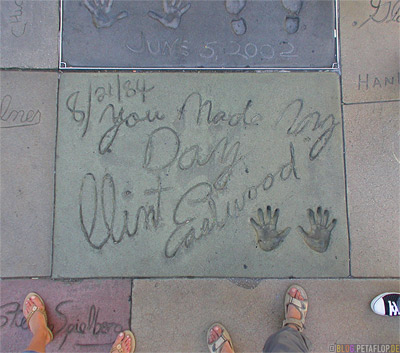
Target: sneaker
column 386, row 304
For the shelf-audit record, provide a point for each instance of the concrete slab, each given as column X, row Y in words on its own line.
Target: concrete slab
column 166, row 171
column 85, row 316
column 28, row 127
column 252, row 313
column 29, row 34
column 370, row 50
column 372, row 159
column 219, row 34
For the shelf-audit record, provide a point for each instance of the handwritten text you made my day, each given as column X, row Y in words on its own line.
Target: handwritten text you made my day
column 198, row 210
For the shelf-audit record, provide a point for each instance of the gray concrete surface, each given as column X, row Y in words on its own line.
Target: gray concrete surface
column 372, row 160
column 174, row 314
column 370, row 50
column 28, row 128
column 339, row 313
column 199, row 34
column 199, row 178
column 29, row 34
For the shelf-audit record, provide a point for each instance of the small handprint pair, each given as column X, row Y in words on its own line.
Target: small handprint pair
column 269, row 238
column 102, row 18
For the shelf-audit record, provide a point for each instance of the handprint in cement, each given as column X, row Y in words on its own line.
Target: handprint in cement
column 320, row 233
column 173, row 11
column 100, row 10
column 267, row 236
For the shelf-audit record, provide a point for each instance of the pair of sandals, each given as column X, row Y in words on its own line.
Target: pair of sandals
column 300, row 305
column 117, row 347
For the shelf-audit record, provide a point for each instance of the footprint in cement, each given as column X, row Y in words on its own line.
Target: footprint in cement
column 239, row 26
column 267, row 236
column 292, row 20
column 320, row 233
column 234, row 7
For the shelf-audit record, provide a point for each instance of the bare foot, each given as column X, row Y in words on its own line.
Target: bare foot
column 216, row 333
column 292, row 310
column 123, row 343
column 37, row 323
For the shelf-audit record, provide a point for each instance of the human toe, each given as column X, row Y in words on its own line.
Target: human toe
column 27, row 307
column 35, row 300
column 126, row 344
column 31, row 302
column 295, row 293
column 119, row 339
column 215, row 333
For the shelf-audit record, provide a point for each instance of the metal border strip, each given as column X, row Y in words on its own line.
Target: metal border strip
column 337, row 33
column 60, row 63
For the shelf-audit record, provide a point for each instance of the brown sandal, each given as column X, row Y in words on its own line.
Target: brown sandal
column 37, row 309
column 300, row 305
column 217, row 345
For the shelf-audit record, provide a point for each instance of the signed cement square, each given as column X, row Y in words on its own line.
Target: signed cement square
column 85, row 316
column 29, row 34
column 199, row 34
column 158, row 175
column 371, row 73
column 28, row 110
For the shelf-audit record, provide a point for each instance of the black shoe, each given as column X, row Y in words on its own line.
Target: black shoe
column 387, row 304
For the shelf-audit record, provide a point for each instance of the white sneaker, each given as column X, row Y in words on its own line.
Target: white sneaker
column 386, row 304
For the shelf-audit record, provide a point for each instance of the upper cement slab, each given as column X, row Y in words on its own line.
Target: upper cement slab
column 370, row 50
column 29, row 34
column 27, row 138
column 220, row 34
column 165, row 171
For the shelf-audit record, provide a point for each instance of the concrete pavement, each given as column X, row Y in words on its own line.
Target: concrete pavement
column 92, row 293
